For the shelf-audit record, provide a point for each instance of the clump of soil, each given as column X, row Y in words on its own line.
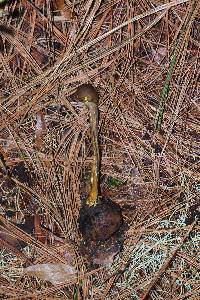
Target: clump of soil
column 100, row 222
column 102, row 230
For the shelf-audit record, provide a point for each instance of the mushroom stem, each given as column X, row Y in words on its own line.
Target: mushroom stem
column 92, row 199
column 89, row 95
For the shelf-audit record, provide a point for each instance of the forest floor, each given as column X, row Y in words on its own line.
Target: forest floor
column 143, row 57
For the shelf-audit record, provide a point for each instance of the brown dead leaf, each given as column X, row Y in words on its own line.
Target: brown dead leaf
column 159, row 54
column 57, row 273
column 39, row 233
column 12, row 244
column 105, row 259
column 60, row 4
column 40, row 128
column 10, row 240
column 66, row 13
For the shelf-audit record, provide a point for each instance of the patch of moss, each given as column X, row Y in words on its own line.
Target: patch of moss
column 115, row 182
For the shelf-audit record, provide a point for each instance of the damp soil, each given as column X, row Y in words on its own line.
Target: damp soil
column 102, row 229
column 100, row 222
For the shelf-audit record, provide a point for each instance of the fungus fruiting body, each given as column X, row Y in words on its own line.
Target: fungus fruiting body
column 88, row 95
column 100, row 218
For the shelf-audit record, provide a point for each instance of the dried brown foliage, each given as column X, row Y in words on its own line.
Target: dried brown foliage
column 136, row 53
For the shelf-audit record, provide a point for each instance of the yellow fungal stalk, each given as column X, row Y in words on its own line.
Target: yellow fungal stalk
column 88, row 94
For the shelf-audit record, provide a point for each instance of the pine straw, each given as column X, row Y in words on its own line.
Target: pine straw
column 143, row 56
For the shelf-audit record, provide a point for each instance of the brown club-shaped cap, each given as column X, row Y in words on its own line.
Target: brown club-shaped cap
column 87, row 93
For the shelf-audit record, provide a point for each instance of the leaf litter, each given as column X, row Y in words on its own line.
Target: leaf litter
column 143, row 58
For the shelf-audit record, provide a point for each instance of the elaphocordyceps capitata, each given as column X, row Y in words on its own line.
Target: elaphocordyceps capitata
column 100, row 218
